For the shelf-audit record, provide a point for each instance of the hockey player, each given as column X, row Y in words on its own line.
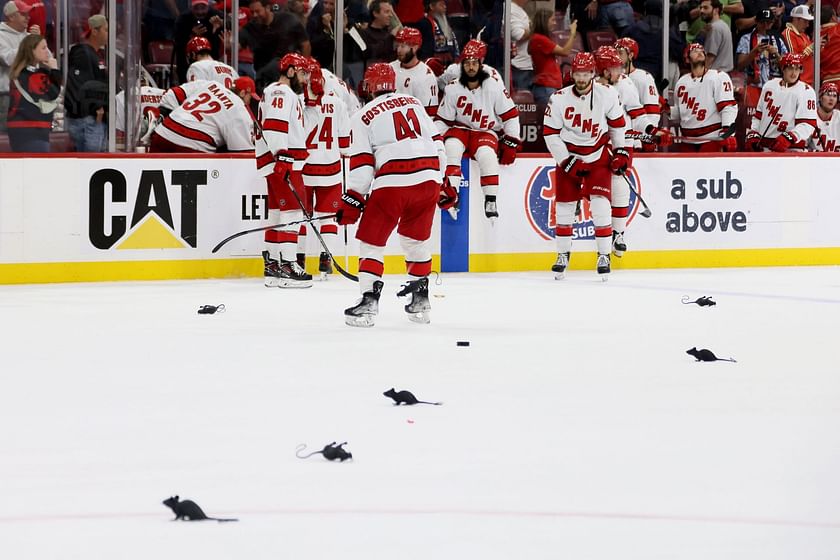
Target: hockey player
column 281, row 154
column 413, row 76
column 704, row 106
column 610, row 70
column 334, row 84
column 581, row 122
column 476, row 110
column 397, row 156
column 203, row 66
column 150, row 98
column 327, row 124
column 211, row 119
column 453, row 72
column 628, row 50
column 827, row 136
column 786, row 116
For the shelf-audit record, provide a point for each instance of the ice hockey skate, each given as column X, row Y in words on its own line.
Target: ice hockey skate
column 604, row 266
column 490, row 208
column 324, row 266
column 559, row 266
column 618, row 244
column 284, row 274
column 363, row 314
column 418, row 309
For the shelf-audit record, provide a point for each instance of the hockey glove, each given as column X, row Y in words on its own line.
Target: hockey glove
column 507, row 150
column 448, row 196
column 664, row 106
column 660, row 136
column 784, row 141
column 620, row 161
column 352, row 204
column 283, row 162
column 727, row 131
column 574, row 167
column 752, row 143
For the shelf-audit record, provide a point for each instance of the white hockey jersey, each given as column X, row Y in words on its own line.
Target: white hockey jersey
column 212, row 70
column 648, row 94
column 282, row 129
column 333, row 84
column 394, row 143
column 583, row 125
column 327, row 137
column 703, row 106
column 827, row 136
column 420, row 82
column 149, row 103
column 786, row 109
column 174, row 96
column 453, row 72
column 487, row 108
column 211, row 119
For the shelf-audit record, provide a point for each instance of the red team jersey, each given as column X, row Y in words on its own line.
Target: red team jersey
column 783, row 108
column 281, row 118
column 420, row 82
column 327, row 137
column 703, row 106
column 210, row 119
column 212, row 70
column 392, row 145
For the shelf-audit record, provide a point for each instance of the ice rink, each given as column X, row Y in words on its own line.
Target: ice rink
column 574, row 426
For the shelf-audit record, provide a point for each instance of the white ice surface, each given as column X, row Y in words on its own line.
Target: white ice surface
column 574, row 426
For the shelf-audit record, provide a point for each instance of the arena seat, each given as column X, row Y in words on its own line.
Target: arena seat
column 604, row 37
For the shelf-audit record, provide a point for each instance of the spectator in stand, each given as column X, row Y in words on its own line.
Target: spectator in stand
column 297, row 9
column 585, row 12
column 379, row 34
column 86, row 97
column 160, row 16
column 617, row 14
column 200, row 21
column 798, row 41
column 759, row 51
column 246, row 55
column 438, row 38
column 830, row 43
column 543, row 51
column 409, row 12
column 520, row 31
column 730, row 8
column 272, row 35
column 35, row 86
column 647, row 32
column 718, row 37
column 320, row 27
column 356, row 17
column 12, row 32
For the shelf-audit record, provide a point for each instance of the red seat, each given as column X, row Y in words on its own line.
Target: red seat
column 600, row 38
column 522, row 97
column 160, row 52
column 560, row 37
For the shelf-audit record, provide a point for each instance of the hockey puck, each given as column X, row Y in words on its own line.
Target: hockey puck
column 463, row 343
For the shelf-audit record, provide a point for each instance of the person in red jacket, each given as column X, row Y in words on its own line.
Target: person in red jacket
column 34, row 89
column 544, row 52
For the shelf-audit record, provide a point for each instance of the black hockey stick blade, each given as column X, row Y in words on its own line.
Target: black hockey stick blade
column 224, row 241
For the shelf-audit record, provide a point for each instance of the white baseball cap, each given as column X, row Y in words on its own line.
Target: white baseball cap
column 801, row 11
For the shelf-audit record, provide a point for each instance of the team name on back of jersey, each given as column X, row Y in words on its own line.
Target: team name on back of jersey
column 392, row 103
column 474, row 114
column 216, row 90
column 576, row 120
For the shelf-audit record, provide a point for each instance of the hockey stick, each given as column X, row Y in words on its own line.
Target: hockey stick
column 646, row 213
column 264, row 228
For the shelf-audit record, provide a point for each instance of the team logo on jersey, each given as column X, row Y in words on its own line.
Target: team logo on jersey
column 540, row 210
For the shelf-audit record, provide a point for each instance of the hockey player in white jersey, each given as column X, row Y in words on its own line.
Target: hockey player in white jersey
column 704, row 106
column 478, row 118
column 327, row 125
column 149, row 99
column 786, row 115
column 210, row 120
column 281, row 154
column 413, row 76
column 453, row 71
column 334, row 84
column 611, row 72
column 396, row 161
column 827, row 136
column 203, row 66
column 583, row 123
column 628, row 50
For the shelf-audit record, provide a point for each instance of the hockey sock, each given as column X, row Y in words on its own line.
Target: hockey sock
column 418, row 256
column 599, row 206
column 488, row 166
column 620, row 203
column 563, row 230
column 371, row 265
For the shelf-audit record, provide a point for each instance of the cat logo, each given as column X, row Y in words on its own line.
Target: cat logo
column 152, row 225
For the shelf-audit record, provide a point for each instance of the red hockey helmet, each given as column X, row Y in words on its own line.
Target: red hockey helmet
column 629, row 45
column 197, row 45
column 315, row 91
column 292, row 60
column 583, row 62
column 607, row 57
column 380, row 77
column 474, row 49
column 689, row 48
column 790, row 59
column 829, row 88
column 410, row 36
